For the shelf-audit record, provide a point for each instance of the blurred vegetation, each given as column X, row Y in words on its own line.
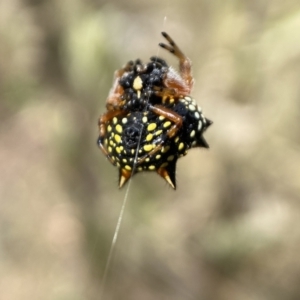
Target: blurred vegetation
column 230, row 231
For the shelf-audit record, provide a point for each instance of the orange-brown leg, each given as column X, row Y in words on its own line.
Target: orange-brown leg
column 106, row 117
column 171, row 116
column 102, row 122
column 185, row 68
column 166, row 94
column 105, row 152
column 113, row 100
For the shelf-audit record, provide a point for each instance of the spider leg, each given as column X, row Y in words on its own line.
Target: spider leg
column 105, row 152
column 106, row 117
column 185, row 65
column 102, row 123
column 167, row 94
column 170, row 116
column 113, row 100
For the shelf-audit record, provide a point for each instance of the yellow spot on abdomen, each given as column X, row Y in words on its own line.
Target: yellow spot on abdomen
column 170, row 158
column 167, row 124
column 117, row 138
column 165, row 149
column 119, row 128
column 148, row 147
column 149, row 137
column 158, row 132
column 192, row 107
column 151, row 127
column 192, row 134
column 118, row 149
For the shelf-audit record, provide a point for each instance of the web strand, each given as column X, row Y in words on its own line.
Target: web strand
column 114, row 240
column 126, row 196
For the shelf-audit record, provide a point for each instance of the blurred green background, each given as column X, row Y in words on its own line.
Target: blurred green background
column 230, row 231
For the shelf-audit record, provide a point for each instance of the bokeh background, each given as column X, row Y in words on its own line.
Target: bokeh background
column 230, row 231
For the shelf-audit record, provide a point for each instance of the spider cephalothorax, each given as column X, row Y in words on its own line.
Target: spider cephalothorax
column 139, row 84
column 151, row 120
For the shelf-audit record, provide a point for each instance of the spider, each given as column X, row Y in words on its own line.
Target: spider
column 151, row 120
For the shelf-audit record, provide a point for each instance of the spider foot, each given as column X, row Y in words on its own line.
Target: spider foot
column 184, row 65
column 172, row 47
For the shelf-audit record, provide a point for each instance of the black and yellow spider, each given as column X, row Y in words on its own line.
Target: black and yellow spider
column 151, row 119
